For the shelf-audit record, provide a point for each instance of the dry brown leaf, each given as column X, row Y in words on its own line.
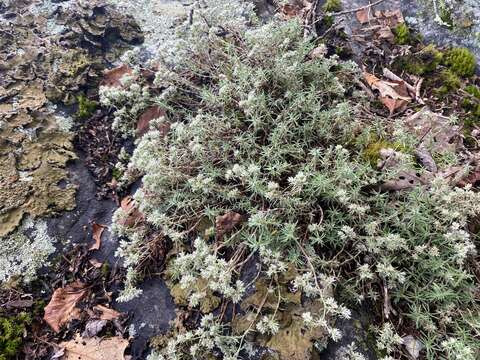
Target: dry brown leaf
column 296, row 8
column 404, row 181
column 107, row 313
column 97, row 231
column 112, row 78
column 132, row 215
column 435, row 131
column 95, row 263
column 363, row 15
column 143, row 123
column 425, row 158
column 62, row 307
column 393, row 105
column 225, row 223
column 394, row 94
column 95, row 348
column 386, row 33
column 392, row 18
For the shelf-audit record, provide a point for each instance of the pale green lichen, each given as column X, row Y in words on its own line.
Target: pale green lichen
column 25, row 251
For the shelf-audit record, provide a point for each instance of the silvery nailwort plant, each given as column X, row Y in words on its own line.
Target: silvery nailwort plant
column 261, row 127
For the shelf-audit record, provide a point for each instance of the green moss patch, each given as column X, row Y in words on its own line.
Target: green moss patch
column 86, row 107
column 461, row 61
column 421, row 63
column 12, row 331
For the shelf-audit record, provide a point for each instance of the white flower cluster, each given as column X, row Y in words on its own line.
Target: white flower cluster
column 268, row 325
column 129, row 100
column 203, row 264
column 457, row 350
column 349, row 352
column 198, row 343
column 272, row 261
column 388, row 339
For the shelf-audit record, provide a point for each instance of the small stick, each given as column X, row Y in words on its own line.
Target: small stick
column 357, row 9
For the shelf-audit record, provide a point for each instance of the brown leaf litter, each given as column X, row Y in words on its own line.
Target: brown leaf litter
column 94, row 348
column 393, row 94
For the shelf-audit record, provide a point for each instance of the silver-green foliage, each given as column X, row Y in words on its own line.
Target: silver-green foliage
column 273, row 133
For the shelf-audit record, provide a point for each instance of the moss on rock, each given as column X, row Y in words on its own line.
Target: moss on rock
column 461, row 61
column 423, row 62
column 332, row 5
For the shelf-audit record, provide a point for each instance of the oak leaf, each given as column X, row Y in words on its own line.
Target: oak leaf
column 62, row 307
column 393, row 94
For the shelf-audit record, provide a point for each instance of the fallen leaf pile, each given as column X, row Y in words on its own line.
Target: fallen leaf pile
column 378, row 25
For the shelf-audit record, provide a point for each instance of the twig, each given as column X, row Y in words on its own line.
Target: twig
column 356, row 9
column 309, row 24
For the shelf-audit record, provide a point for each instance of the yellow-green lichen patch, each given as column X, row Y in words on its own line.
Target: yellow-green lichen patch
column 209, row 303
column 294, row 340
column 30, row 180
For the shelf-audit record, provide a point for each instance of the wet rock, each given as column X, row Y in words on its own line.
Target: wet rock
column 151, row 314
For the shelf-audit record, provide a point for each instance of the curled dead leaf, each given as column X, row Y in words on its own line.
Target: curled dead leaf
column 226, row 223
column 393, row 94
column 426, row 159
column 112, row 78
column 143, row 123
column 95, row 348
column 62, row 306
column 132, row 216
column 106, row 313
column 97, row 231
